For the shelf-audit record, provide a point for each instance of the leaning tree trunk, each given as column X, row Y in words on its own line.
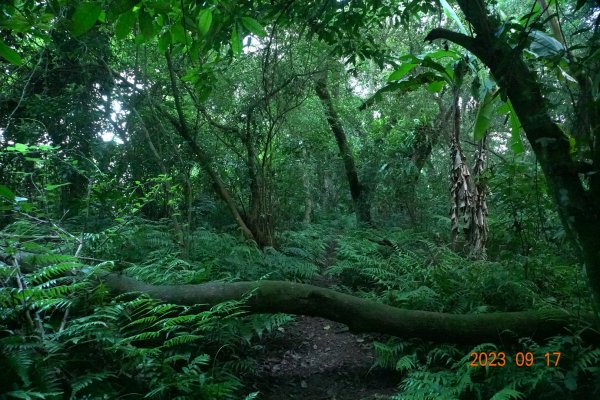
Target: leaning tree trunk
column 578, row 204
column 358, row 192
column 182, row 128
column 361, row 315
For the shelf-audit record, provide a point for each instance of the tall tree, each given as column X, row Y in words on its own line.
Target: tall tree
column 574, row 183
column 358, row 191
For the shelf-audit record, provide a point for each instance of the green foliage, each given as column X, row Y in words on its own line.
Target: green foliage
column 58, row 316
column 444, row 371
column 9, row 54
column 85, row 16
column 73, row 205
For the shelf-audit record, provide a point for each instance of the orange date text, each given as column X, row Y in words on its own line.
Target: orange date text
column 521, row 359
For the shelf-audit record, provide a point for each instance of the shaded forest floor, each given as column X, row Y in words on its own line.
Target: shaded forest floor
column 314, row 358
column 318, row 359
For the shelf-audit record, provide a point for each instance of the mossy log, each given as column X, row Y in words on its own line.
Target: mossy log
column 361, row 315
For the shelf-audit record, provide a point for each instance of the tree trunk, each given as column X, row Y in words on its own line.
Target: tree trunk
column 578, row 207
column 259, row 215
column 361, row 315
column 358, row 192
column 203, row 159
column 308, row 202
column 182, row 237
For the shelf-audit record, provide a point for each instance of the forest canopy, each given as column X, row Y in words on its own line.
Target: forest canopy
column 187, row 186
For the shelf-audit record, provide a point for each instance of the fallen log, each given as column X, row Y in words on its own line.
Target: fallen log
column 362, row 315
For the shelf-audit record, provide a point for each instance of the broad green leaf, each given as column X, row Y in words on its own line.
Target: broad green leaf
column 7, row 193
column 572, row 146
column 52, row 187
column 253, row 26
column 9, row 54
column 125, row 24
column 194, row 50
column 164, row 42
column 435, row 87
column 543, row 45
column 204, row 21
column 146, row 26
column 20, row 147
column 516, row 144
column 483, row 119
column 429, row 63
column 204, row 91
column 85, row 16
column 236, row 41
column 401, row 72
column 412, row 59
column 435, row 55
column 406, row 85
column 119, row 7
column 17, row 23
column 178, row 34
column 563, row 75
column 449, row 11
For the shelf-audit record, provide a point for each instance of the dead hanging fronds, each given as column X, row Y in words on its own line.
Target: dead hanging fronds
column 478, row 230
column 460, row 192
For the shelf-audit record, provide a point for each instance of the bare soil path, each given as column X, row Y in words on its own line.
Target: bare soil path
column 317, row 359
column 314, row 359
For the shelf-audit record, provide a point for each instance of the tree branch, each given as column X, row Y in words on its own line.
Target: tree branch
column 469, row 43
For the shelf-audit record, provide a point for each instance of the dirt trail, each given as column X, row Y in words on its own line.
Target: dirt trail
column 317, row 359
column 314, row 358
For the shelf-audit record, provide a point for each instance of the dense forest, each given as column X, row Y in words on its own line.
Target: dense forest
column 300, row 199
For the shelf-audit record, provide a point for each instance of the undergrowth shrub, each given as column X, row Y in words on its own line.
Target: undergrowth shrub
column 443, row 371
column 406, row 269
column 63, row 336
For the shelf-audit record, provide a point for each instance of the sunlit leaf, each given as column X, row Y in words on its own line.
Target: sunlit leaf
column 435, row 55
column 543, row 45
column 449, row 11
column 9, row 54
column 253, row 26
column 515, row 142
column 204, row 21
column 20, row 147
column 435, row 87
column 7, row 193
column 84, row 18
column 236, row 41
column 483, row 119
column 401, row 72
